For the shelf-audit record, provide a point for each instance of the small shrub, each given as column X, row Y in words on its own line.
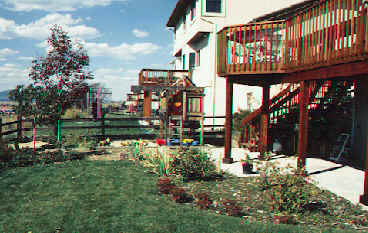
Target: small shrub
column 71, row 141
column 6, row 154
column 164, row 185
column 194, row 164
column 137, row 150
column 180, row 196
column 286, row 188
column 164, row 163
column 203, row 201
column 232, row 208
column 74, row 113
column 286, row 219
column 238, row 117
column 54, row 156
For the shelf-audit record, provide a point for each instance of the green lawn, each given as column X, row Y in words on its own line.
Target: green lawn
column 106, row 196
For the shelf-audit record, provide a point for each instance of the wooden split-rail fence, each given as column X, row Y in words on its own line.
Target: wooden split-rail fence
column 102, row 128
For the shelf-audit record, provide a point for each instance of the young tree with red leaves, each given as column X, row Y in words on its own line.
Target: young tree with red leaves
column 59, row 78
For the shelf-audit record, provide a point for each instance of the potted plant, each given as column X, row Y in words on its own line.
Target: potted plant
column 247, row 165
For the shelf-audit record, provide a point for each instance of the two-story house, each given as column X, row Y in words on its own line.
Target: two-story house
column 195, row 24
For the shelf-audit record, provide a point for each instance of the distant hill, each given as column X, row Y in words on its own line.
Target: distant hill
column 4, row 95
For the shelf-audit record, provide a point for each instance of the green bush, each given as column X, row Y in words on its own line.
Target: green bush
column 194, row 164
column 74, row 113
column 287, row 189
column 27, row 156
column 137, row 149
column 6, row 153
column 238, row 117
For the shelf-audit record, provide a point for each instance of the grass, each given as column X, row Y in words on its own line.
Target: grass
column 109, row 196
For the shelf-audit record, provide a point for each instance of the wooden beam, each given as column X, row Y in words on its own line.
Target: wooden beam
column 360, row 141
column 303, row 123
column 147, row 104
column 364, row 197
column 228, row 121
column 264, row 121
column 330, row 72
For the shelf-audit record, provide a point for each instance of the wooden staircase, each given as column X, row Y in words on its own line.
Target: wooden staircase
column 326, row 97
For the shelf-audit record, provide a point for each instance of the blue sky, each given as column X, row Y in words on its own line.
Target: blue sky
column 121, row 37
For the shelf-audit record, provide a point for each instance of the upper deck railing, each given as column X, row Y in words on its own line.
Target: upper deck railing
column 328, row 33
column 153, row 77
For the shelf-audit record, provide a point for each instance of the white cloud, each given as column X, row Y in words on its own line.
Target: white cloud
column 6, row 52
column 40, row 29
column 118, row 80
column 12, row 75
column 26, row 58
column 124, row 51
column 140, row 34
column 6, row 27
column 55, row 5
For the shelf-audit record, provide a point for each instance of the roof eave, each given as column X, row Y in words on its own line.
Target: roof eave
column 286, row 12
column 178, row 11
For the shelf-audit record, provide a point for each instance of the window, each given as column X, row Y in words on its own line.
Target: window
column 183, row 61
column 192, row 60
column 198, row 57
column 194, row 105
column 214, row 6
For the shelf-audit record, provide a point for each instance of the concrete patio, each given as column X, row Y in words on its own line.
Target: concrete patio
column 344, row 181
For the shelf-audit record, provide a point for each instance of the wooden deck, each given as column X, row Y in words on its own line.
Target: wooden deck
column 155, row 77
column 328, row 34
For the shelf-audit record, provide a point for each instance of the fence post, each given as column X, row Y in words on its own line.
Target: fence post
column 202, row 131
column 103, row 123
column 1, row 128
column 19, row 126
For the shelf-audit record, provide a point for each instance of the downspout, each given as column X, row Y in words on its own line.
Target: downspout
column 214, row 75
column 214, row 65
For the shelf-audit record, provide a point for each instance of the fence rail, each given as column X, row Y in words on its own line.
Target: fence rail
column 102, row 128
column 102, row 121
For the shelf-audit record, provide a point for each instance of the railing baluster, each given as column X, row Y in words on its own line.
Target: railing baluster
column 255, row 47
column 249, row 28
column 265, row 66
column 366, row 26
column 243, row 30
column 320, row 28
column 338, row 25
column 361, row 29
column 349, row 39
column 323, row 33
column 271, row 49
column 354, row 29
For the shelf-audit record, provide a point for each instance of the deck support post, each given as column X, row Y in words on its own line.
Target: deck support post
column 228, row 121
column 265, row 118
column 364, row 197
column 360, row 144
column 147, row 112
column 303, row 123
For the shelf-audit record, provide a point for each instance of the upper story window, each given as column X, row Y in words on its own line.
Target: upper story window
column 192, row 60
column 184, row 21
column 183, row 62
column 214, row 6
